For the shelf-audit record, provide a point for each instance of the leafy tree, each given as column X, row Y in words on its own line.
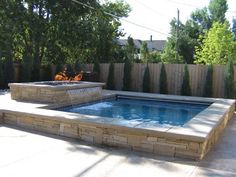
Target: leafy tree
column 234, row 28
column 218, row 45
column 208, row 87
column 111, row 77
column 130, row 49
column 144, row 52
column 146, row 80
column 154, row 57
column 185, row 45
column 186, row 89
column 163, row 80
column 229, row 80
column 217, row 9
column 189, row 38
column 44, row 32
column 127, row 75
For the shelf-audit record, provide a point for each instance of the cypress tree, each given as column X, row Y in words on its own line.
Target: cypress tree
column 96, row 71
column 46, row 74
column 26, row 68
column 110, row 79
column 127, row 75
column 77, row 66
column 146, row 80
column 163, row 80
column 8, row 71
column 2, row 82
column 186, row 89
column 208, row 87
column 229, row 80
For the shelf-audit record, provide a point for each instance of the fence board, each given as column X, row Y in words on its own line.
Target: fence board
column 174, row 77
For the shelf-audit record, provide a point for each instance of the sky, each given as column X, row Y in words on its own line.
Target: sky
column 157, row 14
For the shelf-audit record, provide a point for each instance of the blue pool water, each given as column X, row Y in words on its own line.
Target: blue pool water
column 161, row 112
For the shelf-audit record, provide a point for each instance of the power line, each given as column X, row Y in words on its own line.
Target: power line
column 182, row 3
column 153, row 10
column 115, row 16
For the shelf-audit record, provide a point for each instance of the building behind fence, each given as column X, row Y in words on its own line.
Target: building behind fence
column 174, row 77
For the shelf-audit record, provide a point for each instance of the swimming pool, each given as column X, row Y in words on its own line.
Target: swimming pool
column 140, row 110
column 192, row 140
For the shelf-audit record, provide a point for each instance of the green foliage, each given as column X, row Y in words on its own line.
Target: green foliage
column 186, row 89
column 26, row 68
column 44, row 32
column 185, row 45
column 163, row 80
column 218, row 45
column 229, row 80
column 154, row 57
column 77, row 66
column 58, row 68
column 96, row 71
column 46, row 73
column 144, row 52
column 217, row 9
column 189, row 38
column 208, row 87
column 2, row 82
column 130, row 49
column 234, row 28
column 146, row 80
column 127, row 75
column 8, row 71
column 111, row 77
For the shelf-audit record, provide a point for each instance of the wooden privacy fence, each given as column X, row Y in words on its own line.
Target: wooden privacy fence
column 174, row 77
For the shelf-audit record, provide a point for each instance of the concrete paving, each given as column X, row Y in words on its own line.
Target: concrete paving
column 26, row 153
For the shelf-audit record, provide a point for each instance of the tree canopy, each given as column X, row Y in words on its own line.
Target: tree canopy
column 190, row 33
column 42, row 31
column 218, row 45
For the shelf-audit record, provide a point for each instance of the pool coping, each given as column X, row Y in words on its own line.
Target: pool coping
column 80, row 84
column 198, row 128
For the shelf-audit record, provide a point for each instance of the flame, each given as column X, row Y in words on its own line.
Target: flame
column 63, row 76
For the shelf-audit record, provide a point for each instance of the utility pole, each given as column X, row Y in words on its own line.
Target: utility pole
column 177, row 37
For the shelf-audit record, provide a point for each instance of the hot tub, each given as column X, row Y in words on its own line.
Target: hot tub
column 57, row 92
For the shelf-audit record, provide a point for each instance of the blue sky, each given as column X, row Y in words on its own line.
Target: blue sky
column 157, row 14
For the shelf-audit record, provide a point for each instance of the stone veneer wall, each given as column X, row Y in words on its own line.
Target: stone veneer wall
column 134, row 139
column 55, row 96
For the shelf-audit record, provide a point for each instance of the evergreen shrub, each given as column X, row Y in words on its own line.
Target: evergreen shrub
column 146, row 80
column 111, row 77
column 163, row 80
column 186, row 89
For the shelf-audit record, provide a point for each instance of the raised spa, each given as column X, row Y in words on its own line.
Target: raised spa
column 57, row 92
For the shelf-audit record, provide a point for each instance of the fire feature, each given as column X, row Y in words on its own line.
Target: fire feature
column 66, row 76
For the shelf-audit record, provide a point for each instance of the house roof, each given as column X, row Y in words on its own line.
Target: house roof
column 153, row 45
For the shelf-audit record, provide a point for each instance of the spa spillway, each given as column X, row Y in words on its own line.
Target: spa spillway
column 57, row 92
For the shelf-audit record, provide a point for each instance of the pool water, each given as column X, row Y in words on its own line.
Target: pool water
column 161, row 112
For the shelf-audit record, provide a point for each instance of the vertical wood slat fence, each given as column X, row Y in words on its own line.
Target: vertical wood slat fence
column 174, row 77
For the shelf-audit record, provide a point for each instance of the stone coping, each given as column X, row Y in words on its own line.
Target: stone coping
column 68, row 86
column 197, row 129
